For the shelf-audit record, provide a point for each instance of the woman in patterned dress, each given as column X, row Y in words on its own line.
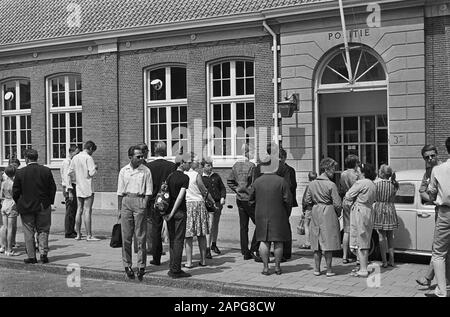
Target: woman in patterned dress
column 361, row 197
column 385, row 216
column 197, row 221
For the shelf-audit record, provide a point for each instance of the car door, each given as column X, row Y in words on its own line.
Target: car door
column 425, row 226
column 405, row 204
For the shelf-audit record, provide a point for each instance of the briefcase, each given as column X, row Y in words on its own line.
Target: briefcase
column 116, row 236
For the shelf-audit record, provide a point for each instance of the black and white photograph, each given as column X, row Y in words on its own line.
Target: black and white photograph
column 224, row 154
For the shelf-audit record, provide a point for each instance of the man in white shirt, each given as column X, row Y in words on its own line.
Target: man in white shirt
column 81, row 171
column 134, row 188
column 69, row 192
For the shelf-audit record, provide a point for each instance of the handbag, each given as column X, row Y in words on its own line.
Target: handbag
column 301, row 225
column 116, row 236
column 162, row 199
column 210, row 206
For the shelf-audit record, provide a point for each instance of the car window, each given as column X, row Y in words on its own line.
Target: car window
column 405, row 194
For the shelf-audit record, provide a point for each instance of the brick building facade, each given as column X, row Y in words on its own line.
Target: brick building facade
column 386, row 115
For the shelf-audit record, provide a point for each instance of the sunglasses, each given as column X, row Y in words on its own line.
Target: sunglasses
column 429, row 157
column 140, row 156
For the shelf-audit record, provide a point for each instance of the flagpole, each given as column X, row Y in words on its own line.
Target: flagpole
column 347, row 49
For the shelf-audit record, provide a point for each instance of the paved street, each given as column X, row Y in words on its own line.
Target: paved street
column 227, row 273
column 26, row 283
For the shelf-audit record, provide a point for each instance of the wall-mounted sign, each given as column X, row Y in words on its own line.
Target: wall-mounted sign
column 352, row 34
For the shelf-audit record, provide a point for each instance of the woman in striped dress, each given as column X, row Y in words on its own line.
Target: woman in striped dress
column 385, row 216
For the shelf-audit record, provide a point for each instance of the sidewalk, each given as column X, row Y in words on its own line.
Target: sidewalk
column 228, row 273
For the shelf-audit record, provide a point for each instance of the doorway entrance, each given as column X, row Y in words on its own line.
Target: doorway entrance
column 351, row 105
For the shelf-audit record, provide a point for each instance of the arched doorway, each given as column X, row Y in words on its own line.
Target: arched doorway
column 351, row 105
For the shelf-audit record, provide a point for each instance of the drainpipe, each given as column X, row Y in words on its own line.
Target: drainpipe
column 275, row 80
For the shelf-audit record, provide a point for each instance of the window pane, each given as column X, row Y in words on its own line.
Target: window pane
column 10, row 87
column 23, row 122
column 382, row 154
column 154, row 115
column 368, row 154
column 382, row 136
column 226, row 111
column 174, row 114
column 239, row 69
column 250, row 110
column 178, row 82
column 350, row 129
column 79, row 118
column 217, row 112
column 72, row 119
column 54, row 100
column 250, row 87
column 54, row 84
column 61, row 84
column 240, row 111
column 154, row 132
column 226, row 88
column 62, row 120
column 226, row 70
column 216, row 71
column 334, row 130
column 7, row 123
column 161, row 75
column 249, row 69
column 162, row 115
column 239, row 87
column 162, row 132
column 368, row 129
column 79, row 100
column 72, row 80
column 25, row 95
column 217, row 88
column 405, row 194
column 72, row 101
column 382, row 121
column 183, row 114
column 62, row 99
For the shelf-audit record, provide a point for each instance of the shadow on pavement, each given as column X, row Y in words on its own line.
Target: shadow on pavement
column 67, row 257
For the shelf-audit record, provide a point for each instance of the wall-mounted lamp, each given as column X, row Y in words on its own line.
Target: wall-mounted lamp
column 288, row 106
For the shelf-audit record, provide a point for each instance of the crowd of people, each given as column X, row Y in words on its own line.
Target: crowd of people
column 265, row 194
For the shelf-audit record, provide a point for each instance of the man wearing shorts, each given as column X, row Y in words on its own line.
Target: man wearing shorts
column 81, row 171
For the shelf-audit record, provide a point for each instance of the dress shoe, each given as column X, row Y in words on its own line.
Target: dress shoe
column 215, row 249
column 208, row 253
column 141, row 274
column 283, row 259
column 44, row 258
column 70, row 236
column 155, row 262
column 130, row 273
column 179, row 274
column 30, row 261
column 248, row 256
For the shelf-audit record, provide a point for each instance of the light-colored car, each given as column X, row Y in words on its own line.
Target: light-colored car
column 416, row 219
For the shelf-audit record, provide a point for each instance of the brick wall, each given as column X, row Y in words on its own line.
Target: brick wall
column 104, row 114
column 437, row 82
column 99, row 114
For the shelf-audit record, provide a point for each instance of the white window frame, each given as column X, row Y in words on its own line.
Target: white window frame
column 67, row 110
column 168, row 103
column 17, row 113
column 233, row 99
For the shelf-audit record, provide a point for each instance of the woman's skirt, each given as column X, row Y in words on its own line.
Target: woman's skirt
column 361, row 226
column 385, row 216
column 197, row 219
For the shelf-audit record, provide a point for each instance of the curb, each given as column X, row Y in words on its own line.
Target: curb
column 227, row 289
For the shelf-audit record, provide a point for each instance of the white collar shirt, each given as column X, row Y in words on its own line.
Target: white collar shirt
column 135, row 181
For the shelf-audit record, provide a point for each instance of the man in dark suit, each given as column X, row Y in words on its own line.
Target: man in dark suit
column 160, row 169
column 34, row 192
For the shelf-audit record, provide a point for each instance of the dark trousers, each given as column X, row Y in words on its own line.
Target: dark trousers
column 39, row 222
column 246, row 213
column 177, row 230
column 287, row 245
column 157, row 225
column 71, row 211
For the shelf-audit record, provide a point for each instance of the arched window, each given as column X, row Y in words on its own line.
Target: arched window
column 366, row 69
column 166, row 108
column 64, row 104
column 16, row 118
column 231, row 91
